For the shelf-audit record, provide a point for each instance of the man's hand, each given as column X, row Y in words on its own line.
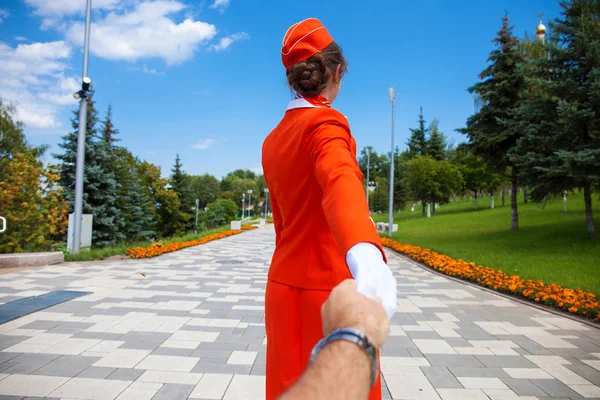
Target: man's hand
column 346, row 308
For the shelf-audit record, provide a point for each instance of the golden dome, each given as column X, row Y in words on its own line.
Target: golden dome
column 540, row 29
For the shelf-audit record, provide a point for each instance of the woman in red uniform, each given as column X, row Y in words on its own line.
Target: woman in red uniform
column 324, row 233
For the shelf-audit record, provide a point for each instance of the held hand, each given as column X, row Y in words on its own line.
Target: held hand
column 346, row 308
column 373, row 277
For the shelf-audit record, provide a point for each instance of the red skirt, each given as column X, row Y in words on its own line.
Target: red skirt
column 293, row 326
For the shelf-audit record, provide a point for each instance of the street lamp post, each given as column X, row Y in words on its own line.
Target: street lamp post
column 80, row 161
column 392, row 96
column 243, row 206
column 368, row 151
column 266, row 202
column 249, row 201
column 197, row 206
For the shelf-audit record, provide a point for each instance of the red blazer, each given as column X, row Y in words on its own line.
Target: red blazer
column 319, row 205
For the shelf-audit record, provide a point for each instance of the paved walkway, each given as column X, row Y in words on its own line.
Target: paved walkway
column 193, row 328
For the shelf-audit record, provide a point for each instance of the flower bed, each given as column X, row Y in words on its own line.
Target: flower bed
column 574, row 301
column 160, row 248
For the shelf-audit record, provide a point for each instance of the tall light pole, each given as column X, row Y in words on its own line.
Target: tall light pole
column 197, row 206
column 78, row 200
column 243, row 206
column 368, row 151
column 266, row 201
column 392, row 96
column 249, row 201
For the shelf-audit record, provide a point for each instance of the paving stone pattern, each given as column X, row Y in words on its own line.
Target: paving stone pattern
column 194, row 328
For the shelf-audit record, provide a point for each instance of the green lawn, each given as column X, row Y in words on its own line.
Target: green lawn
column 121, row 248
column 551, row 245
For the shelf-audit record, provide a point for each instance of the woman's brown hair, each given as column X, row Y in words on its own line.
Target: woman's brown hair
column 310, row 77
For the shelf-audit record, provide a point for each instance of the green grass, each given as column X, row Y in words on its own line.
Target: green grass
column 121, row 248
column 551, row 245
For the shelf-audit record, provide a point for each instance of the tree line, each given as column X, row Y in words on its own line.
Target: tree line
column 129, row 198
column 536, row 124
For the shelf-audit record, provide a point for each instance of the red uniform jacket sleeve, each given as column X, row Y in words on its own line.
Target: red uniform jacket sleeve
column 332, row 150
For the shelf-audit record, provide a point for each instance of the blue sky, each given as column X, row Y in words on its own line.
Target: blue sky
column 204, row 78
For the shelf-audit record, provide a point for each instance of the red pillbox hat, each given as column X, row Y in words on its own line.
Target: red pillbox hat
column 303, row 40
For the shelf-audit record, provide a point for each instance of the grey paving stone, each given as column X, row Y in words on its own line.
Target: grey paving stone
column 66, row 366
column 70, row 327
column 221, row 368
column 259, row 370
column 395, row 353
column 41, row 398
column 125, row 374
column 96, row 372
column 506, row 361
column 168, row 351
column 423, row 335
column 415, row 353
column 133, row 345
column 7, row 356
column 213, row 354
column 7, row 365
column 8, row 341
column 475, row 334
column 171, row 391
column 154, row 337
column 457, row 342
column 45, row 325
column 97, row 335
column 471, row 372
column 447, row 360
column 399, row 343
column 585, row 371
column 440, row 377
column 555, row 388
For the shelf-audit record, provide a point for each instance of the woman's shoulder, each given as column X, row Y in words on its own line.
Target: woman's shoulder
column 320, row 116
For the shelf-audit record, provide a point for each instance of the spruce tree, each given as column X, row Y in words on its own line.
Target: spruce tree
column 134, row 201
column 417, row 144
column 436, row 145
column 180, row 184
column 99, row 186
column 560, row 120
column 109, row 132
column 500, row 90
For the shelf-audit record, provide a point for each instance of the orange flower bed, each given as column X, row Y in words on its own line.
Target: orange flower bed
column 574, row 301
column 159, row 248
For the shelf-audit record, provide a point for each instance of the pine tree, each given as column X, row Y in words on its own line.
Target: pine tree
column 560, row 119
column 436, row 145
column 501, row 90
column 417, row 144
column 99, row 187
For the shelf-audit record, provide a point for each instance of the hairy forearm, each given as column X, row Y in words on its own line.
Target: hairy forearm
column 340, row 371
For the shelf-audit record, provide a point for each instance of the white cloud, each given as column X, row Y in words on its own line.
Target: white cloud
column 221, row 4
column 3, row 14
column 52, row 11
column 227, row 41
column 204, row 144
column 21, row 38
column 146, row 31
column 146, row 70
column 32, row 76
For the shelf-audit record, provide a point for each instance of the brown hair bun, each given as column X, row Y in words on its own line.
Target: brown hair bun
column 310, row 77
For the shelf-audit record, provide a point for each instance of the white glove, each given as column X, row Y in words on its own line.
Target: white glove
column 372, row 275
